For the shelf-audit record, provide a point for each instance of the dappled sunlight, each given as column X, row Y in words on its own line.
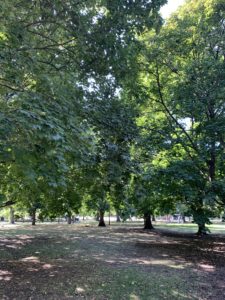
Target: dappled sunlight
column 134, row 297
column 33, row 259
column 74, row 259
column 79, row 290
column 24, row 237
column 47, row 266
column 32, row 269
column 207, row 268
column 5, row 275
column 179, row 295
column 122, row 260
column 15, row 243
column 152, row 262
column 163, row 262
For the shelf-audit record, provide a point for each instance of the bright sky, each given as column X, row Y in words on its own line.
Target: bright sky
column 170, row 7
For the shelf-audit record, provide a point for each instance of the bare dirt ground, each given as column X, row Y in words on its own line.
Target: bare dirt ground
column 117, row 262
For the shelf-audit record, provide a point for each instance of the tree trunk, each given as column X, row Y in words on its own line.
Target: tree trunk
column 201, row 230
column 223, row 218
column 147, row 221
column 69, row 219
column 101, row 219
column 11, row 216
column 33, row 217
column 118, row 217
column 97, row 218
column 153, row 218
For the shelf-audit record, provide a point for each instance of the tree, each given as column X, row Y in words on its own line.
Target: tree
column 65, row 82
column 184, row 67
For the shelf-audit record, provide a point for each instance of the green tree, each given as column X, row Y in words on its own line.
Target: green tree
column 65, row 84
column 184, row 69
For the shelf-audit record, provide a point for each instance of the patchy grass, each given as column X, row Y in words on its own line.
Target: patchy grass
column 118, row 262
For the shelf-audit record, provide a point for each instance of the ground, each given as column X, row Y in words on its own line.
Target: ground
column 117, row 262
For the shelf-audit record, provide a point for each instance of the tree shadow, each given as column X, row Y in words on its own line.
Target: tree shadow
column 110, row 263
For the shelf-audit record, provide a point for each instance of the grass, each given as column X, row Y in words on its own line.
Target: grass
column 191, row 228
column 118, row 262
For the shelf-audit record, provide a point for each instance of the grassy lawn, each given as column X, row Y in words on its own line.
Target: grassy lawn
column 191, row 228
column 118, row 262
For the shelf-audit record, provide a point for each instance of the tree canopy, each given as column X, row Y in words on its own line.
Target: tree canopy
column 103, row 102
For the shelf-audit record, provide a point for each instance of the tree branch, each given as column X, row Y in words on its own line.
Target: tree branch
column 194, row 147
column 8, row 203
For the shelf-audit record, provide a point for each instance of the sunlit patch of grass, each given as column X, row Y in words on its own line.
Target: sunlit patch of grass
column 190, row 227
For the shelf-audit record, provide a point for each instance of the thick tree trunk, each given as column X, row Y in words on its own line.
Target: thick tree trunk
column 201, row 218
column 201, row 230
column 147, row 221
column 101, row 219
column 11, row 216
column 33, row 217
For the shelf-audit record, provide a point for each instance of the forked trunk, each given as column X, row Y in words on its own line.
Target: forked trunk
column 101, row 219
column 147, row 221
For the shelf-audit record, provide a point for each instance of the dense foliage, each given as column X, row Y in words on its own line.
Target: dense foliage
column 104, row 105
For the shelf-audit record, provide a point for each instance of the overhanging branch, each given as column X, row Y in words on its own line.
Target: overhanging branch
column 7, row 203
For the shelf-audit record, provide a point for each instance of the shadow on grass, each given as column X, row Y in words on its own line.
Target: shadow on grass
column 110, row 263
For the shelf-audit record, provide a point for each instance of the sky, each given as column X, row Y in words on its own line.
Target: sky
column 170, row 7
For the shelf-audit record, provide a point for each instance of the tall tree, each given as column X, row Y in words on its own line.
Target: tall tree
column 185, row 70
column 65, row 83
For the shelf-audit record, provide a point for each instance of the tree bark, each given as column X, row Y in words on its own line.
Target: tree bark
column 153, row 218
column 33, row 217
column 101, row 219
column 201, row 230
column 11, row 216
column 148, row 221
column 69, row 219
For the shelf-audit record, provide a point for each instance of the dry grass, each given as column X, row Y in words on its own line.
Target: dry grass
column 118, row 262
